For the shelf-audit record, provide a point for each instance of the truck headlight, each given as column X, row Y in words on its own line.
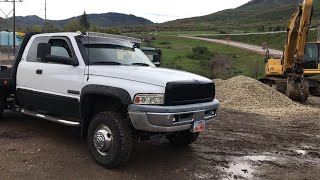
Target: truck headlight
column 151, row 99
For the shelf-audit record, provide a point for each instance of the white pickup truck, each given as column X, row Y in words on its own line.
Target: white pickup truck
column 105, row 85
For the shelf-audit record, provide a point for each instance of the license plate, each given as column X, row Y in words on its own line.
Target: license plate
column 199, row 126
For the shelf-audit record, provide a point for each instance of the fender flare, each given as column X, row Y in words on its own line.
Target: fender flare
column 114, row 92
column 119, row 93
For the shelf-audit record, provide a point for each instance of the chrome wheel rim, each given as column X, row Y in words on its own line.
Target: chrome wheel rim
column 103, row 140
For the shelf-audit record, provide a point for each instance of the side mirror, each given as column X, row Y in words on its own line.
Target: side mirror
column 157, row 64
column 43, row 50
column 44, row 55
column 156, row 58
column 61, row 60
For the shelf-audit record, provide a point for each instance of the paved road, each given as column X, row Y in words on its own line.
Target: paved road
column 237, row 44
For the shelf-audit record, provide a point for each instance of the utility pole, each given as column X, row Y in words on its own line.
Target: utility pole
column 319, row 34
column 14, row 22
column 14, row 28
column 45, row 15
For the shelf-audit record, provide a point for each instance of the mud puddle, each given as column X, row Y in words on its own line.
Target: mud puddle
column 244, row 167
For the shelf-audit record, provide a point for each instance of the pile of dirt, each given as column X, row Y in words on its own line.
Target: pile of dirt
column 247, row 94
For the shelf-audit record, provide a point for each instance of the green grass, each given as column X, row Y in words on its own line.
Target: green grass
column 176, row 49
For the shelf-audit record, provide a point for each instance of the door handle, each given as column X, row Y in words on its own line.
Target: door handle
column 39, row 71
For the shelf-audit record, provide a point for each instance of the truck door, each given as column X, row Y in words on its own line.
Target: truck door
column 62, row 83
column 26, row 73
column 26, row 78
column 57, row 86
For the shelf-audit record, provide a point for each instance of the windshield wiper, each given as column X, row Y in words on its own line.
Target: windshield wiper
column 107, row 63
column 140, row 64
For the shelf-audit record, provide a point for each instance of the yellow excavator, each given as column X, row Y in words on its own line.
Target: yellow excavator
column 290, row 74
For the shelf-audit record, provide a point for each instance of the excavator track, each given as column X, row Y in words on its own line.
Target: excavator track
column 314, row 87
column 277, row 82
column 297, row 90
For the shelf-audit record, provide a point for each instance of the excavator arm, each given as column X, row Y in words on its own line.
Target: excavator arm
column 297, row 37
column 298, row 28
column 286, row 74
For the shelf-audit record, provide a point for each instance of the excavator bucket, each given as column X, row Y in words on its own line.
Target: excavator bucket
column 297, row 89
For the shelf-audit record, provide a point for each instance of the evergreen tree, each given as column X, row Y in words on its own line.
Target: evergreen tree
column 84, row 21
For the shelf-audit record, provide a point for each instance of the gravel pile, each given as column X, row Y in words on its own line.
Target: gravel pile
column 247, row 94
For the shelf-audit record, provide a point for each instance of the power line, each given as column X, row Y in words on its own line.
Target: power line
column 14, row 22
column 45, row 16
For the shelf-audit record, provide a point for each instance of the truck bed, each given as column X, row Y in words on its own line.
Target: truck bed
column 8, row 74
column 6, row 80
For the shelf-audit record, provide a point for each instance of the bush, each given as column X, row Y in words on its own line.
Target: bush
column 173, row 65
column 200, row 53
column 164, row 43
column 177, row 57
column 219, row 64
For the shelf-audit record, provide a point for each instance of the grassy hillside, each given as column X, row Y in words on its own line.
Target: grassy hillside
column 251, row 17
column 176, row 53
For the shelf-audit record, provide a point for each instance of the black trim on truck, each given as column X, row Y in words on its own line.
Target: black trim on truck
column 119, row 93
column 58, row 105
column 189, row 92
column 113, row 92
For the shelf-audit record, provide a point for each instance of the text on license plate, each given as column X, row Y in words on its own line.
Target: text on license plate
column 199, row 126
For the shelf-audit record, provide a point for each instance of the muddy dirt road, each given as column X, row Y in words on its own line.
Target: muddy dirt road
column 237, row 145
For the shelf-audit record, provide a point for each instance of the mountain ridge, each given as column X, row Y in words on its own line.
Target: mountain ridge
column 110, row 19
column 256, row 14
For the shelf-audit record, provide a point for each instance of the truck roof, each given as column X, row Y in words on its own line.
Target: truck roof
column 70, row 34
column 98, row 38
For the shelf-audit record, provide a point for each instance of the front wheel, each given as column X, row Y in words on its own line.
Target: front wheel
column 110, row 139
column 183, row 138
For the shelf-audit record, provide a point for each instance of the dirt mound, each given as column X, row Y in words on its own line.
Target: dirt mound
column 247, row 94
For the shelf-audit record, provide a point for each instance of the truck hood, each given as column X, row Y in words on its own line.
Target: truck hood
column 149, row 75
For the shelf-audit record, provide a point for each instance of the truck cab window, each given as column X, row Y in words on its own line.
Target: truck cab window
column 32, row 53
column 60, row 47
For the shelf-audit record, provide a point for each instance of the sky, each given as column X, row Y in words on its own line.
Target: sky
column 156, row 11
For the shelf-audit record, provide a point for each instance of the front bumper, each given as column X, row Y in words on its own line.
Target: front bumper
column 171, row 118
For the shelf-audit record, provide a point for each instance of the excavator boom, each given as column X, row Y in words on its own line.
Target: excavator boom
column 297, row 36
column 287, row 74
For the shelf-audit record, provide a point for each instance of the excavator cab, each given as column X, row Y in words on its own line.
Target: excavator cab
column 311, row 59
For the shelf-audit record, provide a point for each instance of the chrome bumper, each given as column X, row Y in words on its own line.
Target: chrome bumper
column 171, row 118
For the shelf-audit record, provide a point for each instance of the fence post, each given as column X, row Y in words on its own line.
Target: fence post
column 257, row 69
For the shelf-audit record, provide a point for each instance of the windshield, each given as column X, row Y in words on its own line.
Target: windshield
column 311, row 53
column 106, row 54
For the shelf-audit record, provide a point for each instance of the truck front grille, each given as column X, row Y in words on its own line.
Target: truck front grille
column 181, row 93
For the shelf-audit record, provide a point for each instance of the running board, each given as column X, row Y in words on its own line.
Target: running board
column 50, row 118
